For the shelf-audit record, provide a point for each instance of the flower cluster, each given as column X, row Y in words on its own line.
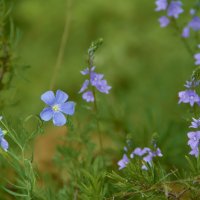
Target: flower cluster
column 57, row 105
column 3, row 143
column 194, row 24
column 173, row 9
column 146, row 154
column 189, row 95
column 95, row 80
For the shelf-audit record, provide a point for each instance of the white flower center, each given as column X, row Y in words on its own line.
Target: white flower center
column 55, row 108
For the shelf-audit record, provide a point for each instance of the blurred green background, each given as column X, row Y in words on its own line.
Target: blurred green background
column 145, row 65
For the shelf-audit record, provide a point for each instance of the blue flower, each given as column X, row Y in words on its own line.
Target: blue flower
column 94, row 80
column 192, row 11
column 147, row 155
column 192, row 84
column 88, row 96
column 197, row 58
column 161, row 5
column 188, row 96
column 195, row 123
column 57, row 105
column 174, row 9
column 193, row 142
column 3, row 143
column 186, row 32
column 164, row 21
column 123, row 162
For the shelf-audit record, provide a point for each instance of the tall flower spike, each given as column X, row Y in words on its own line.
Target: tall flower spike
column 57, row 105
column 95, row 80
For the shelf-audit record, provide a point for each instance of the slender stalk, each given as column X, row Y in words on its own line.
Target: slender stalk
column 90, row 61
column 184, row 41
column 98, row 126
column 62, row 45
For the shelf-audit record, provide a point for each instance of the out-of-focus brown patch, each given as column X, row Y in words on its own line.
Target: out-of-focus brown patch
column 45, row 149
column 178, row 191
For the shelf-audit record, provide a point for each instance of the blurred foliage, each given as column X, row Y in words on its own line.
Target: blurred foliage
column 145, row 65
column 140, row 60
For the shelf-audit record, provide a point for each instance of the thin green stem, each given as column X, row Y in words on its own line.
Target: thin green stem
column 184, row 41
column 90, row 61
column 97, row 120
column 11, row 136
column 62, row 45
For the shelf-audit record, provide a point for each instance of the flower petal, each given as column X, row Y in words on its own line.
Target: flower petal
column 88, row 96
column 68, row 108
column 59, row 119
column 84, row 86
column 46, row 114
column 4, row 144
column 48, row 97
column 61, row 96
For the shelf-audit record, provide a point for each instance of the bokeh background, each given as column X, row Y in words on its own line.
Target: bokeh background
column 145, row 65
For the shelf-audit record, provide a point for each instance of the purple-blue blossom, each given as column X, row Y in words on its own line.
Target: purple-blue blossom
column 186, row 32
column 88, row 96
column 123, row 162
column 192, row 84
column 95, row 80
column 193, row 142
column 192, row 11
column 151, row 154
column 188, row 96
column 3, row 143
column 57, row 105
column 194, row 24
column 147, row 155
column 174, row 9
column 125, row 149
column 161, row 5
column 197, row 59
column 164, row 21
column 195, row 123
column 140, row 152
